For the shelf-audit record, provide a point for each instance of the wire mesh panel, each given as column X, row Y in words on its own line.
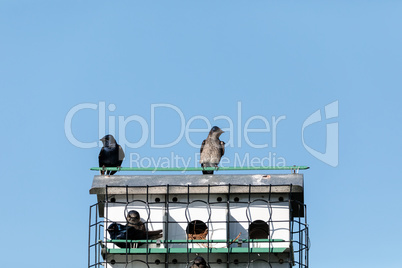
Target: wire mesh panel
column 250, row 227
column 96, row 226
column 299, row 236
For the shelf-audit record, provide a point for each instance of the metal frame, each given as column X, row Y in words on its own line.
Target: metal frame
column 298, row 238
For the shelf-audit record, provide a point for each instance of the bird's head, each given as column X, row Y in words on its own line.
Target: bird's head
column 199, row 261
column 108, row 140
column 216, row 131
column 113, row 228
column 133, row 216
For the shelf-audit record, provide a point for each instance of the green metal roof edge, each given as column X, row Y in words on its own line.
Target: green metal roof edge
column 200, row 168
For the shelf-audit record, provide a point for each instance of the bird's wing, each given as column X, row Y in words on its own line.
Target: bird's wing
column 141, row 226
column 101, row 155
column 222, row 143
column 202, row 146
column 121, row 154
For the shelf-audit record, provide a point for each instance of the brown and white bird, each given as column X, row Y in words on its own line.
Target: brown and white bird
column 212, row 150
column 111, row 154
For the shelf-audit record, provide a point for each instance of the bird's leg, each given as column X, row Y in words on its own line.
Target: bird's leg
column 216, row 167
column 103, row 170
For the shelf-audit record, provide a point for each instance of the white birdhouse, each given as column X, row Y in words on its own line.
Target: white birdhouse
column 229, row 220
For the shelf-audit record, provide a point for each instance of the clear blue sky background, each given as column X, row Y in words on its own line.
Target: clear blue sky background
column 277, row 58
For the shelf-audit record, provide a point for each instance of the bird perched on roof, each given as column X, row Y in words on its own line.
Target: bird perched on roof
column 111, row 154
column 199, row 262
column 212, row 149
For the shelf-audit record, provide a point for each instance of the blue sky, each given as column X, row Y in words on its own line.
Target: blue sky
column 275, row 59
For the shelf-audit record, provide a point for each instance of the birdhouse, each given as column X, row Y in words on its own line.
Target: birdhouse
column 228, row 220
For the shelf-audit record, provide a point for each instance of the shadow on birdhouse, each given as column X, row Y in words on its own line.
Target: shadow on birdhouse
column 258, row 230
column 197, row 230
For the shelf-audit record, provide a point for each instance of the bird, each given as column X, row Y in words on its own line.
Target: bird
column 212, row 150
column 134, row 220
column 111, row 154
column 199, row 262
column 119, row 232
column 103, row 249
column 133, row 230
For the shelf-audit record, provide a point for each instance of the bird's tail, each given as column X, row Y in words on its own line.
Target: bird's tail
column 155, row 234
column 206, row 172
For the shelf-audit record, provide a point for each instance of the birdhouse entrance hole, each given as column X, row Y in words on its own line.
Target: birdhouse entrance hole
column 197, row 230
column 258, row 230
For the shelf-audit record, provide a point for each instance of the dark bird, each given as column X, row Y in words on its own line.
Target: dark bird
column 134, row 220
column 212, row 149
column 199, row 262
column 120, row 232
column 111, row 154
column 133, row 230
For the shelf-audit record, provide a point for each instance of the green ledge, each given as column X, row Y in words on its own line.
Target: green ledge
column 200, row 168
column 198, row 241
column 193, row 250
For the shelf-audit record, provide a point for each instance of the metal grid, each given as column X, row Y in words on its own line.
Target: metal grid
column 296, row 255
